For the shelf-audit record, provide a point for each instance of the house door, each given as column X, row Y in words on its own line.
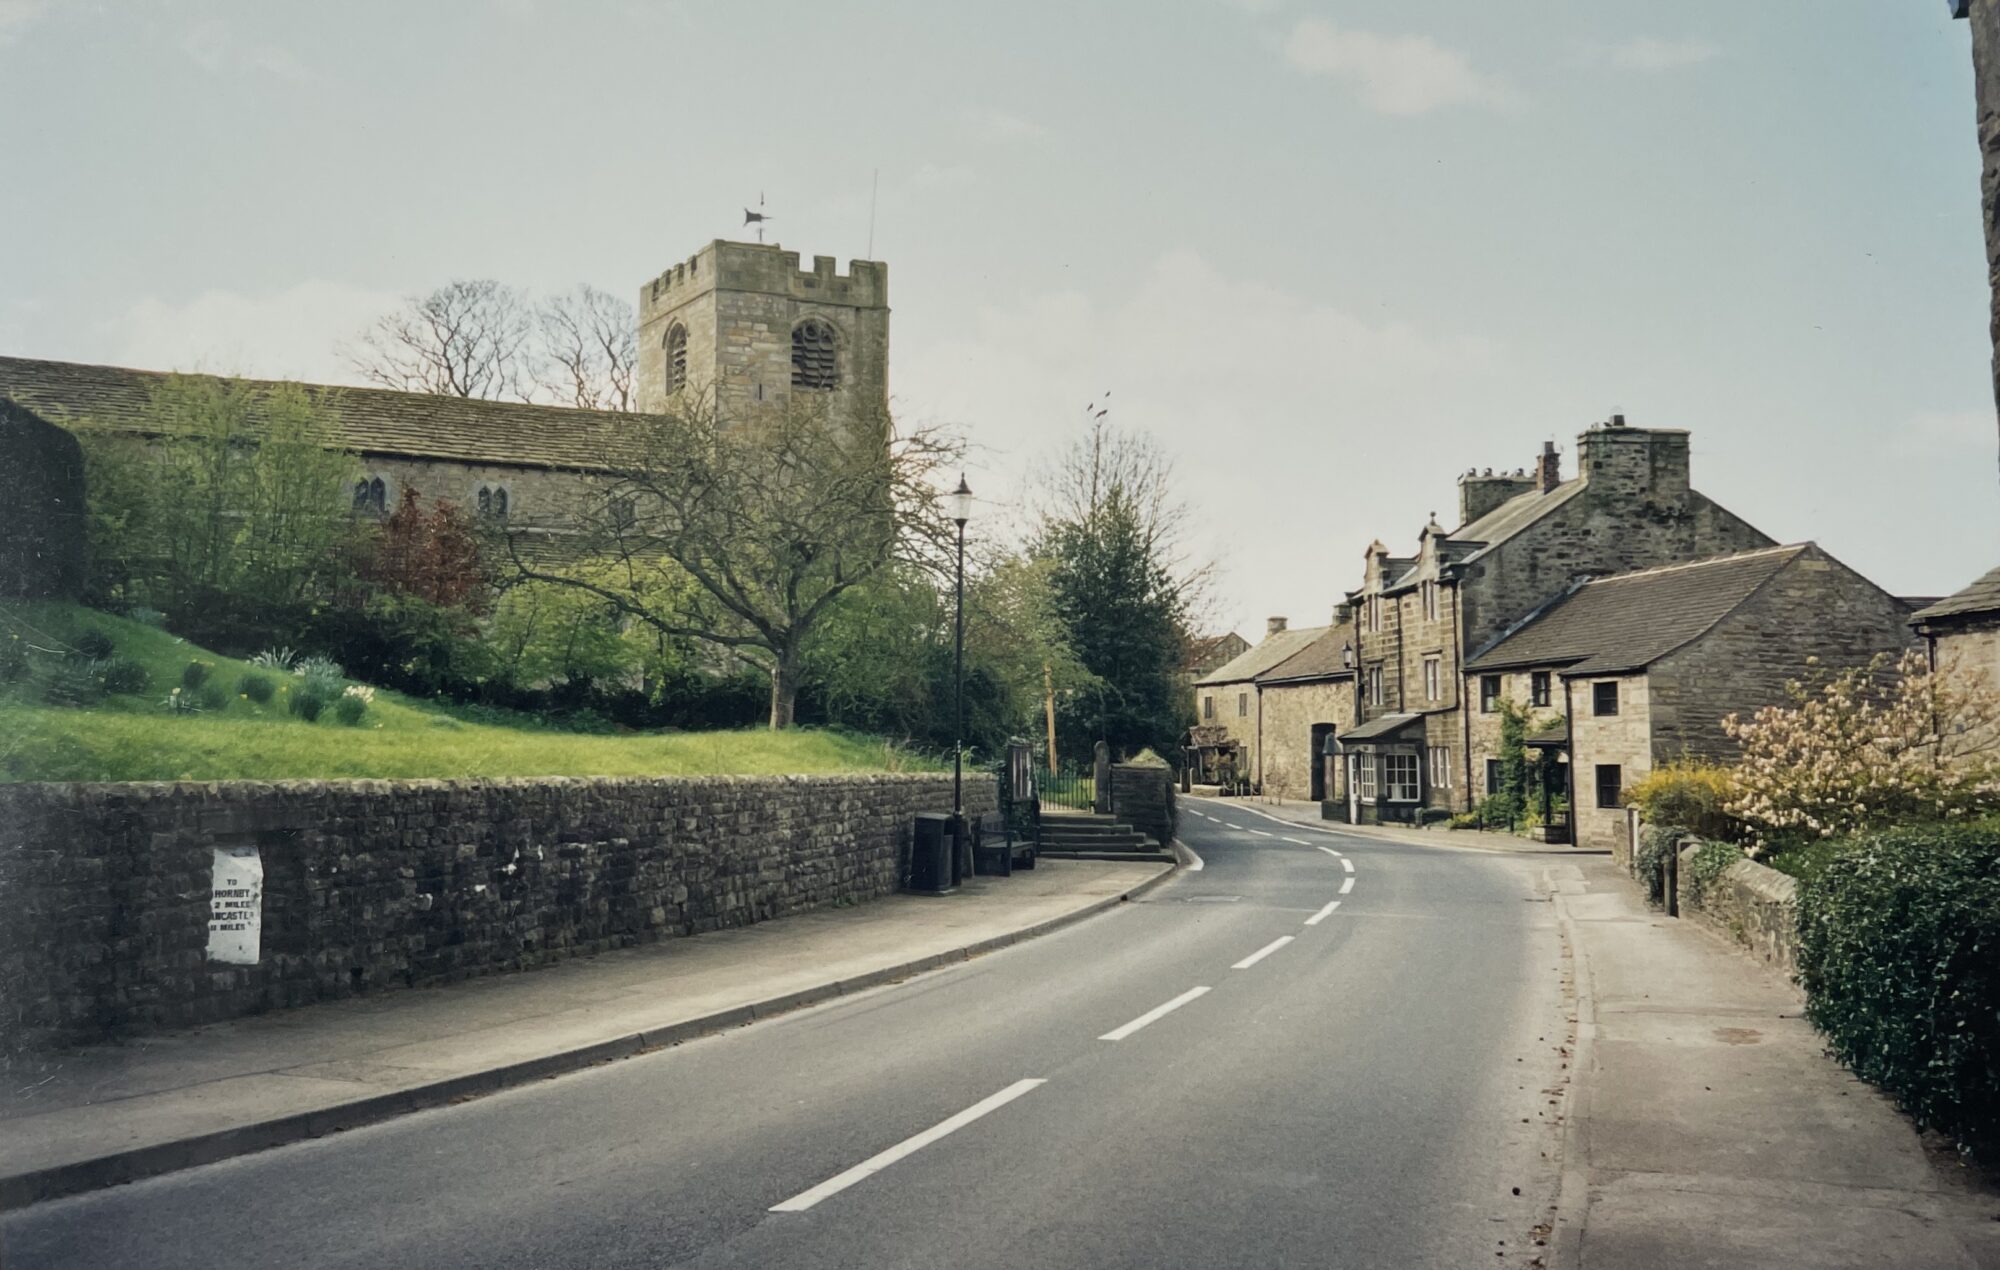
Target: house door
column 1320, row 731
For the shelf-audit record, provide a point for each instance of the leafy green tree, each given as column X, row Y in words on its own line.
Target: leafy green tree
column 1120, row 588
column 233, row 499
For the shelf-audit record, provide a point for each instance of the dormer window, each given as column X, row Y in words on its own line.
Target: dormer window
column 815, row 355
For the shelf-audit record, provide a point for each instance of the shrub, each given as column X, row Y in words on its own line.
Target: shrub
column 180, row 701
column 195, row 674
column 1706, row 866
column 308, row 701
column 352, row 704
column 1899, row 953
column 1650, row 862
column 257, row 688
column 316, row 667
column 212, row 697
column 280, row 658
column 1690, row 793
column 126, row 676
column 94, row 645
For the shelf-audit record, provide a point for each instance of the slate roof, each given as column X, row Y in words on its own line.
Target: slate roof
column 1514, row 515
column 1631, row 620
column 1983, row 596
column 1380, row 728
column 1273, row 650
column 374, row 420
column 1320, row 659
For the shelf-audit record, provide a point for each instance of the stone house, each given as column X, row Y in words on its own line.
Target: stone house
column 740, row 319
column 1303, row 701
column 1228, row 732
column 1963, row 629
column 1620, row 674
column 1521, row 541
column 1211, row 652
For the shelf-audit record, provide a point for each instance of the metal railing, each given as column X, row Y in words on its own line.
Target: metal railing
column 1072, row 787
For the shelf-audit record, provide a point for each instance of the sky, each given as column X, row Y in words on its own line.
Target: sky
column 1328, row 254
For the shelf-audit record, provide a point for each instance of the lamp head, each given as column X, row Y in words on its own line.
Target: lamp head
column 961, row 502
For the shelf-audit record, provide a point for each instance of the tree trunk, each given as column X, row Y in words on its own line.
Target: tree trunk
column 784, row 693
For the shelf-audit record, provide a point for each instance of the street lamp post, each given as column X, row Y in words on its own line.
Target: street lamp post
column 961, row 511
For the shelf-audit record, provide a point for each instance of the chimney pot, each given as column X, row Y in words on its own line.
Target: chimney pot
column 1272, row 625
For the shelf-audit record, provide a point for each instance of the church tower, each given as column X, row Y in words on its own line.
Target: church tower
column 743, row 320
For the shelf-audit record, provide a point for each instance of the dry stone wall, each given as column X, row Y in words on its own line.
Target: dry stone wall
column 105, row 890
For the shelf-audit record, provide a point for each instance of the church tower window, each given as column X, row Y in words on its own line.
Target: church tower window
column 815, row 355
column 677, row 357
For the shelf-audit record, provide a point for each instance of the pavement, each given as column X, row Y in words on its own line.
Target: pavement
column 112, row 1114
column 1709, row 1128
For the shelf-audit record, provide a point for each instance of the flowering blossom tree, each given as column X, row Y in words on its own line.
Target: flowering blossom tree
column 1869, row 746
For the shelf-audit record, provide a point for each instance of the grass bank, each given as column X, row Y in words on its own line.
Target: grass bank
column 132, row 735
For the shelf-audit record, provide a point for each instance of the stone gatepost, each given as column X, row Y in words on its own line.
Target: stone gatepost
column 1101, row 779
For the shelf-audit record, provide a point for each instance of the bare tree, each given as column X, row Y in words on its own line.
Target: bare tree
column 1109, row 464
column 589, row 346
column 464, row 339
column 773, row 518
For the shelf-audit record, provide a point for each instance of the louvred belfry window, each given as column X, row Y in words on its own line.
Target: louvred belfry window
column 677, row 358
column 815, row 355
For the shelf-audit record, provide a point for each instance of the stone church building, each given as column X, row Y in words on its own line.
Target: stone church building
column 740, row 320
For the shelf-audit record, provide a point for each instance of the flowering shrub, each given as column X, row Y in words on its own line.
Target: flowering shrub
column 1870, row 746
column 257, row 688
column 195, row 674
column 353, row 704
column 1690, row 793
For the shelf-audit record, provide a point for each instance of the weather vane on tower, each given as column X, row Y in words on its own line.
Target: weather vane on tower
column 757, row 217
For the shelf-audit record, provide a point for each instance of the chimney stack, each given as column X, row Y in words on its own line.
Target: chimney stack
column 1548, row 472
column 1272, row 626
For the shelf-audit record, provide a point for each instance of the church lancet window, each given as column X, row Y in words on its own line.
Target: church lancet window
column 370, row 495
column 677, row 357
column 815, row 355
column 492, row 502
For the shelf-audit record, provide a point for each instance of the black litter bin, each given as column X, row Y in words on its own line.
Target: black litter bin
column 930, row 855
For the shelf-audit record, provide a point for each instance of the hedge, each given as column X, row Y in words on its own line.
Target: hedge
column 1899, row 955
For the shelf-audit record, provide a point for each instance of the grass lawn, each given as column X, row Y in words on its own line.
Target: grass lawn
column 133, row 737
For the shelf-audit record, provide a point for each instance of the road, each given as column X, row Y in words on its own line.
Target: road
column 1320, row 1049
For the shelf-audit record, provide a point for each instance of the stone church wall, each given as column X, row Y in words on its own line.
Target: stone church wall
column 42, row 492
column 372, row 885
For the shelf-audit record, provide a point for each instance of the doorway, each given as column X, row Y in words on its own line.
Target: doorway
column 1320, row 733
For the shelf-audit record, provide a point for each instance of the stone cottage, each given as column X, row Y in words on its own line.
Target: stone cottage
column 1963, row 630
column 1620, row 674
column 1521, row 541
column 1228, row 734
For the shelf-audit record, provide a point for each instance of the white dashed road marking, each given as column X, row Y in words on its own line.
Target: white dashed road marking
column 1330, row 851
column 1152, row 1015
column 1346, row 886
column 909, row 1146
column 1323, row 914
column 1262, row 953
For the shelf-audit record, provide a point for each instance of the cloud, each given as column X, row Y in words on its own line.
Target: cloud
column 1394, row 74
column 1289, row 416
column 1652, row 55
column 16, row 16
column 215, row 47
column 289, row 334
column 1001, row 126
column 1953, row 431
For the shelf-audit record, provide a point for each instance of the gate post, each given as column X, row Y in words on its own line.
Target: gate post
column 1100, row 799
